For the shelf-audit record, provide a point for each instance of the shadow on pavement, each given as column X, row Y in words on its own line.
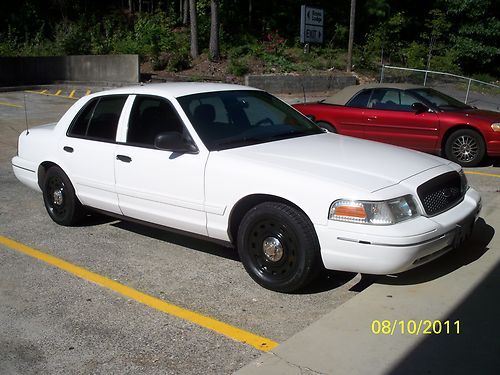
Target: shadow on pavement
column 469, row 252
column 475, row 349
column 328, row 280
column 180, row 239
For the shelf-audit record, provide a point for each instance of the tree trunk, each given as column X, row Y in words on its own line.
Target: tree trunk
column 250, row 10
column 194, row 29
column 185, row 12
column 214, row 30
column 351, row 35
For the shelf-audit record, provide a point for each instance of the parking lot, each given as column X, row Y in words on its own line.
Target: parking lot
column 123, row 316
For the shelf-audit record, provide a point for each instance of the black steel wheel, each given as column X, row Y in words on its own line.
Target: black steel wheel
column 279, row 248
column 465, row 147
column 59, row 198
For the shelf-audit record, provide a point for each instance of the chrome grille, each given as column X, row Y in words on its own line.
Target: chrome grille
column 441, row 193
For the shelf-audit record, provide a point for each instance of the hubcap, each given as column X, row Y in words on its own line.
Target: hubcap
column 57, row 196
column 465, row 148
column 273, row 249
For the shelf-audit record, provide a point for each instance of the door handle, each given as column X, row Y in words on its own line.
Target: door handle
column 124, row 158
column 372, row 118
column 68, row 149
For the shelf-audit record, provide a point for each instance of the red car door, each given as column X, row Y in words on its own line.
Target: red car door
column 389, row 118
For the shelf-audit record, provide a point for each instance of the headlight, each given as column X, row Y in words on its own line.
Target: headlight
column 495, row 126
column 378, row 213
column 464, row 184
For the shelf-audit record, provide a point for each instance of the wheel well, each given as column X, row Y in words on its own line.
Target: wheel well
column 245, row 204
column 42, row 170
column 453, row 129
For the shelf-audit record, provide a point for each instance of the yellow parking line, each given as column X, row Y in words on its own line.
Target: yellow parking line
column 483, row 174
column 227, row 330
column 87, row 92
column 72, row 94
column 11, row 105
column 44, row 92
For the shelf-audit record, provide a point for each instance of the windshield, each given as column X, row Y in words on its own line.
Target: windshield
column 439, row 100
column 227, row 119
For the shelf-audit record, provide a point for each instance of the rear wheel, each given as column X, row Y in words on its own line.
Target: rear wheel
column 279, row 248
column 59, row 198
column 465, row 147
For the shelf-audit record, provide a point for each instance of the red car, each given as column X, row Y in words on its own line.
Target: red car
column 411, row 116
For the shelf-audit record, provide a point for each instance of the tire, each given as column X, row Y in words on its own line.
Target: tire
column 326, row 126
column 59, row 198
column 465, row 147
column 278, row 247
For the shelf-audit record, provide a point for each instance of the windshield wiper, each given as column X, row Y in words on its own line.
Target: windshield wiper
column 240, row 142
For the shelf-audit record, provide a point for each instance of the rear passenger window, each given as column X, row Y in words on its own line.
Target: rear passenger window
column 99, row 119
column 360, row 100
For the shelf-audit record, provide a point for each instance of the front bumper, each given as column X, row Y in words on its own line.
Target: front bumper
column 396, row 248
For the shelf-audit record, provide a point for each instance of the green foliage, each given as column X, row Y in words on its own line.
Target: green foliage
column 446, row 35
column 477, row 33
column 239, row 66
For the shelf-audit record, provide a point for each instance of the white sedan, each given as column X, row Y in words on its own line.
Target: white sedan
column 237, row 165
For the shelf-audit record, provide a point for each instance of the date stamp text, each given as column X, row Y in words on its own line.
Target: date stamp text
column 415, row 327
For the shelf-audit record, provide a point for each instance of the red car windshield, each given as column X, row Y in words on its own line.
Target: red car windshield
column 439, row 100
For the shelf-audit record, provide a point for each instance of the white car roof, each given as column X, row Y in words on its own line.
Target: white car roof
column 175, row 89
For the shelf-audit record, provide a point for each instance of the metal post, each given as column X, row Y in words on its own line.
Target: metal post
column 425, row 77
column 382, row 74
column 468, row 89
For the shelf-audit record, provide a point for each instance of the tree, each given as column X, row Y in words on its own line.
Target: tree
column 214, row 30
column 185, row 11
column 351, row 35
column 438, row 26
column 194, row 29
column 476, row 33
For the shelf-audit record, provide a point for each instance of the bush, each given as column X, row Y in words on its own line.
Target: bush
column 73, row 38
column 238, row 66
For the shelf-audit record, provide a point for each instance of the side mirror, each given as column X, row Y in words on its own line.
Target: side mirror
column 311, row 117
column 419, row 108
column 175, row 142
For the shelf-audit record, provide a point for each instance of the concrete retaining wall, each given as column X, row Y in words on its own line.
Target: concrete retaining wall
column 294, row 83
column 16, row 71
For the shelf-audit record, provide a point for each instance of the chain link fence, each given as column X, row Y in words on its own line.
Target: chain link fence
column 471, row 91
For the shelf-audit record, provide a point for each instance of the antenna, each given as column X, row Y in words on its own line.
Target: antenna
column 26, row 115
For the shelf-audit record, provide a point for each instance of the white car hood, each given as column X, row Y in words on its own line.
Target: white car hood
column 352, row 162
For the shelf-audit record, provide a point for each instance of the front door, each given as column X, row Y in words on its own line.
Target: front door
column 156, row 185
column 390, row 118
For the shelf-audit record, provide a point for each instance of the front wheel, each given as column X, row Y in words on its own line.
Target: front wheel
column 60, row 199
column 278, row 247
column 465, row 147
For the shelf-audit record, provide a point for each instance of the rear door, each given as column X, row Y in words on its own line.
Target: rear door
column 389, row 118
column 350, row 119
column 89, row 152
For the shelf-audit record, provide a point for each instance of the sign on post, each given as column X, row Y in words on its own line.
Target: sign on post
column 311, row 24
